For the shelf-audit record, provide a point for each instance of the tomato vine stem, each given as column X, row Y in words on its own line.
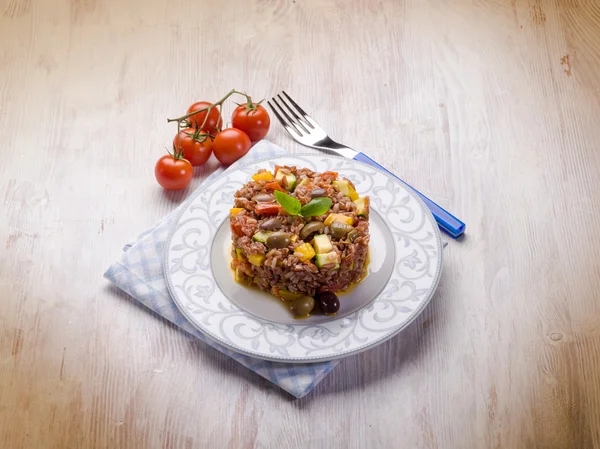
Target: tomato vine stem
column 207, row 109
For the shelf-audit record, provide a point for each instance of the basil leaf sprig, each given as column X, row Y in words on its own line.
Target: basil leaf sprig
column 316, row 207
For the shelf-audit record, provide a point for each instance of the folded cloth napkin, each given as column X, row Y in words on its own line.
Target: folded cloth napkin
column 139, row 273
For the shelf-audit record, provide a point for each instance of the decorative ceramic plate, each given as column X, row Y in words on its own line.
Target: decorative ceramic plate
column 405, row 267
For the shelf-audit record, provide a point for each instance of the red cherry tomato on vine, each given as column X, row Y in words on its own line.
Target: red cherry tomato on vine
column 254, row 122
column 213, row 122
column 195, row 152
column 173, row 173
column 230, row 145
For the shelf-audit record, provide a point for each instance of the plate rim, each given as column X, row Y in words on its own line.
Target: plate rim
column 294, row 359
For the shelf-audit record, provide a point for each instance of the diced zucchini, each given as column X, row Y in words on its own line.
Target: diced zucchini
column 322, row 244
column 242, row 277
column 338, row 217
column 256, row 259
column 293, row 238
column 353, row 195
column 287, row 180
column 263, row 176
column 261, row 236
column 235, row 210
column 304, row 182
column 304, row 252
column 346, row 188
column 342, row 186
column 330, row 258
column 240, row 254
column 362, row 207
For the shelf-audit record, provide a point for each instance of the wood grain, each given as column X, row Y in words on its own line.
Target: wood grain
column 491, row 108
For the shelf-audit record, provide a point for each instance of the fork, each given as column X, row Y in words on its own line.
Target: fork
column 309, row 133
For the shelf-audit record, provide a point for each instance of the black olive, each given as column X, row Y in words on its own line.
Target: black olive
column 328, row 302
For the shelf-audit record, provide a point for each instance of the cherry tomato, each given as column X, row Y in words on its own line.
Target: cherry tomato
column 213, row 122
column 195, row 152
column 272, row 186
column 254, row 122
column 236, row 229
column 230, row 145
column 267, row 209
column 172, row 173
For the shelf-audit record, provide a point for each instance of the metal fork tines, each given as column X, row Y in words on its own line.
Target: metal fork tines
column 303, row 128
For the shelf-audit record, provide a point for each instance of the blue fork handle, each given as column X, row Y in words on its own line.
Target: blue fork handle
column 446, row 221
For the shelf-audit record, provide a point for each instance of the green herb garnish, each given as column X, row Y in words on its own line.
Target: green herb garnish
column 316, row 207
column 291, row 205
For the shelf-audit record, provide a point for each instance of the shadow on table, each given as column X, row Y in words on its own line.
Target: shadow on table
column 406, row 350
column 356, row 372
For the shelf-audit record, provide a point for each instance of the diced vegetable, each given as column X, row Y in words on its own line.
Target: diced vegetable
column 304, row 182
column 235, row 210
column 293, row 238
column 352, row 193
column 330, row 258
column 242, row 277
column 304, row 252
column 239, row 254
column 267, row 209
column 288, row 180
column 346, row 188
column 256, row 259
column 362, row 207
column 236, row 229
column 272, row 186
column 342, row 186
column 261, row 236
column 322, row 244
column 263, row 176
column 338, row 217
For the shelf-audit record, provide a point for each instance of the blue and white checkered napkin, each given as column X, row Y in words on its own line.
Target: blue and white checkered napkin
column 139, row 273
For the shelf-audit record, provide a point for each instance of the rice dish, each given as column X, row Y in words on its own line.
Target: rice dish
column 299, row 234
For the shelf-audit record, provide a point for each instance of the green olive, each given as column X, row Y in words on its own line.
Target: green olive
column 339, row 230
column 302, row 306
column 352, row 235
column 272, row 224
column 317, row 193
column 311, row 228
column 263, row 198
column 278, row 240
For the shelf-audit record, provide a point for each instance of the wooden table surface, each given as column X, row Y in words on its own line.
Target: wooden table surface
column 491, row 108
